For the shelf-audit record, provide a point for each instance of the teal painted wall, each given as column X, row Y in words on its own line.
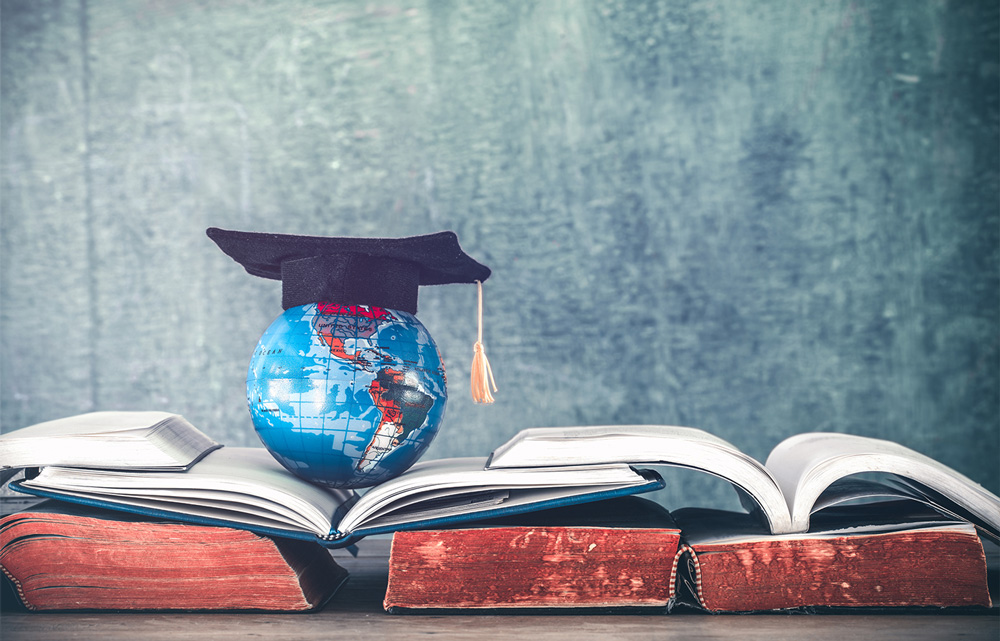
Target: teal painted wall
column 758, row 218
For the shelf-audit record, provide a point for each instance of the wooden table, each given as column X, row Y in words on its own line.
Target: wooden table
column 356, row 614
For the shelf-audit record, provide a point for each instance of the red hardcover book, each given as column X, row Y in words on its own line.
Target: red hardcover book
column 510, row 567
column 731, row 566
column 60, row 557
column 542, row 565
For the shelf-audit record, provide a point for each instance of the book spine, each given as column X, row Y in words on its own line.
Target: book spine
column 686, row 573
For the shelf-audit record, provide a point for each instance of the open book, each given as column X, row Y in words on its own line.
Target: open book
column 126, row 440
column 539, row 468
column 803, row 474
column 248, row 488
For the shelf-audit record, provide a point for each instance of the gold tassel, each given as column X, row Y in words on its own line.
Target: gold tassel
column 482, row 374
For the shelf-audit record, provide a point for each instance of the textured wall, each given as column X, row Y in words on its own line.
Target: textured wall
column 757, row 218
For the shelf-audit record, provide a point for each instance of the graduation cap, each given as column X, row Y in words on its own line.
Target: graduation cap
column 378, row 272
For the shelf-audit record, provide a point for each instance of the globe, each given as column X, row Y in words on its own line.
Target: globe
column 346, row 396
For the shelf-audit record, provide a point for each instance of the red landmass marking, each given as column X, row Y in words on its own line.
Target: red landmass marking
column 334, row 323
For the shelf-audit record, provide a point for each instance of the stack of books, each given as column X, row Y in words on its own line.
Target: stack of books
column 549, row 520
column 723, row 562
column 57, row 556
column 908, row 533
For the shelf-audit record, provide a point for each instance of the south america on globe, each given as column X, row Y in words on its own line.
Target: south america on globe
column 347, row 388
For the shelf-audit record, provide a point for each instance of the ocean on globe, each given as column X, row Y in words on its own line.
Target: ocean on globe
column 346, row 396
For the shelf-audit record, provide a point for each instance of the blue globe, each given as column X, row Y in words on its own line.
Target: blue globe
column 346, row 396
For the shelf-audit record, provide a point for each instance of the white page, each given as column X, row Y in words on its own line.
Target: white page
column 99, row 423
column 468, row 474
column 728, row 538
column 649, row 444
column 806, row 464
column 547, row 446
column 126, row 440
column 236, row 474
column 512, row 498
column 246, row 510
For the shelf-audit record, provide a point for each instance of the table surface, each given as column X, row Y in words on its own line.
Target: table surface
column 356, row 613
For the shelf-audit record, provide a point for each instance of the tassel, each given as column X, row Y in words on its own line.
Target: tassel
column 482, row 374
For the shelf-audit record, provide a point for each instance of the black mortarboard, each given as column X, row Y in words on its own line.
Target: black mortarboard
column 382, row 272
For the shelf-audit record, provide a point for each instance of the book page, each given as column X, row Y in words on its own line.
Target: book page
column 233, row 477
column 120, row 440
column 807, row 464
column 648, row 444
column 92, row 424
column 467, row 503
column 709, row 526
column 548, row 446
column 434, row 480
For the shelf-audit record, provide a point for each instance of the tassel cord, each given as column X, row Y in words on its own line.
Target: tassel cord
column 482, row 373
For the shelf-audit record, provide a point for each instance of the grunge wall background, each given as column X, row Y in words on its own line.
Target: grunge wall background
column 758, row 218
